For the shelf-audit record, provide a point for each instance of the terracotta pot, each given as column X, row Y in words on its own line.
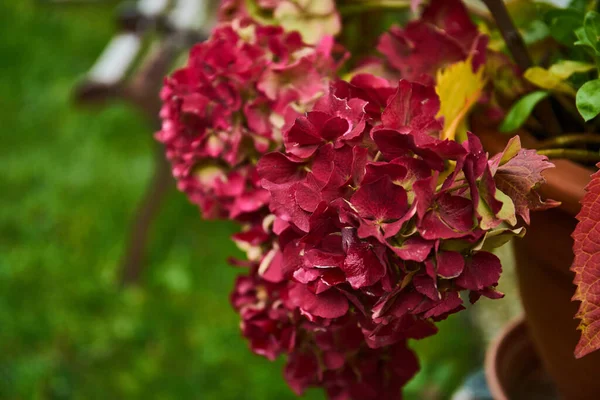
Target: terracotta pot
column 513, row 368
column 544, row 257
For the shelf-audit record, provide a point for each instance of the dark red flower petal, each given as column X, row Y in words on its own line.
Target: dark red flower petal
column 329, row 304
column 450, row 264
column 381, row 200
column 481, row 271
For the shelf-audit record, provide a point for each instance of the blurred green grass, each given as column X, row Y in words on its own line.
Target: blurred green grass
column 69, row 183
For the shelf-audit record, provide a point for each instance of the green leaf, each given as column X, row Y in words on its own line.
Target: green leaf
column 588, row 99
column 520, row 111
column 582, row 39
column 562, row 24
column 499, row 237
column 591, row 26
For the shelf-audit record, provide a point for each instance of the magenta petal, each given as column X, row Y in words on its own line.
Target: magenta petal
column 451, row 302
column 308, row 194
column 274, row 271
column 482, row 270
column 333, row 359
column 329, row 304
column 424, row 195
column 359, row 163
column 489, row 292
column 285, row 206
column 334, row 128
column 316, row 258
column 278, row 168
column 453, row 17
column 411, row 104
column 487, row 190
column 375, row 171
column 404, row 363
column 456, row 212
column 380, row 200
column 424, row 284
column 333, row 277
column 249, row 202
column 404, row 303
column 451, row 217
column 302, row 133
column 414, row 248
column 404, row 50
column 394, row 144
column 257, row 114
column 301, row 370
column 306, row 276
column 362, row 266
column 450, row 264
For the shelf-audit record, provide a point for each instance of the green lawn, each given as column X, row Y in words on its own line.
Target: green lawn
column 69, row 183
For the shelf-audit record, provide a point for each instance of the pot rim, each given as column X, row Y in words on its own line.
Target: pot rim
column 492, row 356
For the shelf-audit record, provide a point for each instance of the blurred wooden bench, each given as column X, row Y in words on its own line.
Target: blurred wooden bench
column 152, row 36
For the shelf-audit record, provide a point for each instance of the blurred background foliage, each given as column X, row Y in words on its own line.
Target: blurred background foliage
column 70, row 180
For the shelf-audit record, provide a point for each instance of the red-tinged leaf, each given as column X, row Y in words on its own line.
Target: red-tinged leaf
column 519, row 179
column 587, row 269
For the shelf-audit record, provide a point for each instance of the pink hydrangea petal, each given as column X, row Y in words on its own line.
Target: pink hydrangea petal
column 362, row 266
column 481, row 271
column 329, row 304
column 450, row 264
column 380, row 200
column 277, row 168
column 415, row 248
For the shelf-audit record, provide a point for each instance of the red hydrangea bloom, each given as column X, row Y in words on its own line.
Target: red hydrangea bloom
column 324, row 353
column 362, row 227
column 228, row 106
column 443, row 35
column 385, row 218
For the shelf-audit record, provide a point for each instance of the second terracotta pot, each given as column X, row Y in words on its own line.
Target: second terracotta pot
column 544, row 257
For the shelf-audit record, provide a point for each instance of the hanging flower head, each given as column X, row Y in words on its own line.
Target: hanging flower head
column 368, row 211
column 228, row 106
column 386, row 220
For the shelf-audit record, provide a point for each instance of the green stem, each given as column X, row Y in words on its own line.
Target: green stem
column 572, row 154
column 350, row 9
column 570, row 139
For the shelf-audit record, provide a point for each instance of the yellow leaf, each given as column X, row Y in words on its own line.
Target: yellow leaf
column 547, row 80
column 458, row 88
column 564, row 69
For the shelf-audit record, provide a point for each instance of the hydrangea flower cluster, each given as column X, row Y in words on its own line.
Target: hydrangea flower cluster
column 228, row 105
column 385, row 219
column 328, row 353
column 314, row 19
column 444, row 34
column 363, row 224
